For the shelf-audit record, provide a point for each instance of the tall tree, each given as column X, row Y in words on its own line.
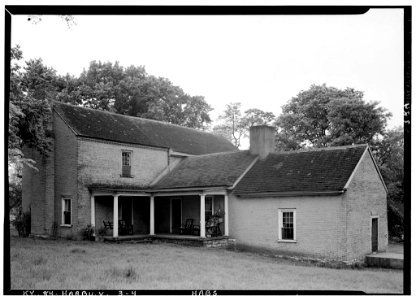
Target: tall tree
column 234, row 126
column 131, row 91
column 325, row 116
column 29, row 108
column 389, row 153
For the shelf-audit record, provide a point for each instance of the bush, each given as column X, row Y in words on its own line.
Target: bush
column 88, row 233
column 102, row 231
column 22, row 223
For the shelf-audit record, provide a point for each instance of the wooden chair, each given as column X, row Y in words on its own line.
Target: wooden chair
column 187, row 227
column 108, row 224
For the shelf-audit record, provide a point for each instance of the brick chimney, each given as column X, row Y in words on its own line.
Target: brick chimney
column 261, row 140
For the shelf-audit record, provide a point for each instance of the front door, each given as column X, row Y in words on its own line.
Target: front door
column 176, row 215
column 374, row 234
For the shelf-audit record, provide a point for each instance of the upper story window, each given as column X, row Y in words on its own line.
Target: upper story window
column 287, row 224
column 126, row 163
column 66, row 211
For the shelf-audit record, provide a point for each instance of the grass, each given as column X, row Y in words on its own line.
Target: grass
column 61, row 264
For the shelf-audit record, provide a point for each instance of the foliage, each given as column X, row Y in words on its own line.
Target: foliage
column 88, row 232
column 102, row 231
column 22, row 223
column 388, row 150
column 233, row 125
column 29, row 109
column 15, row 194
column 325, row 116
column 131, row 91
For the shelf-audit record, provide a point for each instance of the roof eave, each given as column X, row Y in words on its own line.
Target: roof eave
column 289, row 194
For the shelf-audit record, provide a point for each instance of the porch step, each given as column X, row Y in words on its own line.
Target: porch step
column 385, row 260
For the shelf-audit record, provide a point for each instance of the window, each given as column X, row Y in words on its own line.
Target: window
column 209, row 205
column 287, row 224
column 66, row 211
column 126, row 163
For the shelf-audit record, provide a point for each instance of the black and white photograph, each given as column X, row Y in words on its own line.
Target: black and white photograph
column 207, row 150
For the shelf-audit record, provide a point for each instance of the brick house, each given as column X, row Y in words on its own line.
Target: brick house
column 155, row 176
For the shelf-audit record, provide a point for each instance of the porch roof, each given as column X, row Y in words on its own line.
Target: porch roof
column 212, row 170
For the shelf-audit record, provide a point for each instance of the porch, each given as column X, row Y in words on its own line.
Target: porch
column 122, row 216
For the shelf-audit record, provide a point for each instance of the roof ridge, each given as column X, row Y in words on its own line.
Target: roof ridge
column 320, row 149
column 218, row 153
column 136, row 118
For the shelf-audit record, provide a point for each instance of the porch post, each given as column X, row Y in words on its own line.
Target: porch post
column 202, row 215
column 152, row 215
column 93, row 212
column 115, row 216
column 226, row 214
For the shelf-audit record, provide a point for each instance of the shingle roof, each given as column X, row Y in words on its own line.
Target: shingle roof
column 325, row 170
column 220, row 169
column 120, row 128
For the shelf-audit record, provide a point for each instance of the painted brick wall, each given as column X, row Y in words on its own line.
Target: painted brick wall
column 365, row 197
column 33, row 191
column 65, row 173
column 100, row 163
column 38, row 190
column 319, row 225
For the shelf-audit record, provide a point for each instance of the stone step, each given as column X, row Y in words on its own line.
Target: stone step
column 385, row 260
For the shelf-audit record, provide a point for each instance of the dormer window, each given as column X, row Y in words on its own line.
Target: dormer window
column 126, row 163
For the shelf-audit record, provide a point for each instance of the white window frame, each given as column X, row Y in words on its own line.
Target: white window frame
column 280, row 221
column 131, row 162
column 63, row 212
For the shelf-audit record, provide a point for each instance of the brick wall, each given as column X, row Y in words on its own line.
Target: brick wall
column 38, row 188
column 65, row 173
column 319, row 226
column 33, row 191
column 365, row 197
column 99, row 163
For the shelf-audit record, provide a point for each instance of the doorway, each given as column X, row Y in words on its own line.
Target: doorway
column 374, row 234
column 176, row 215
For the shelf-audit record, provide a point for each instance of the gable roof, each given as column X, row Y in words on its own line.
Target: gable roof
column 213, row 170
column 316, row 172
column 133, row 130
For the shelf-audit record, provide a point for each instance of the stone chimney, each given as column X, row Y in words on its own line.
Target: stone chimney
column 261, row 140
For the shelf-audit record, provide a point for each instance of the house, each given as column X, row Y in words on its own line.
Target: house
column 154, row 176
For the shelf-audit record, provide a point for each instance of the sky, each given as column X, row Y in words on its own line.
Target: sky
column 260, row 61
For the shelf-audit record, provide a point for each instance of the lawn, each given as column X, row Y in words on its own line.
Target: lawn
column 61, row 264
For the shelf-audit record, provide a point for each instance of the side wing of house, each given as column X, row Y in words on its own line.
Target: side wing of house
column 43, row 191
column 316, row 221
column 365, row 207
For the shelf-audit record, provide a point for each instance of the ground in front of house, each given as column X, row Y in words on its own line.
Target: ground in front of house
column 61, row 264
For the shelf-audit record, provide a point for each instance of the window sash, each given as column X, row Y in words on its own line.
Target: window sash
column 126, row 158
column 287, row 224
column 66, row 211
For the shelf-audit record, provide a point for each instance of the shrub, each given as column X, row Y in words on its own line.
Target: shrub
column 22, row 223
column 102, row 231
column 88, row 233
